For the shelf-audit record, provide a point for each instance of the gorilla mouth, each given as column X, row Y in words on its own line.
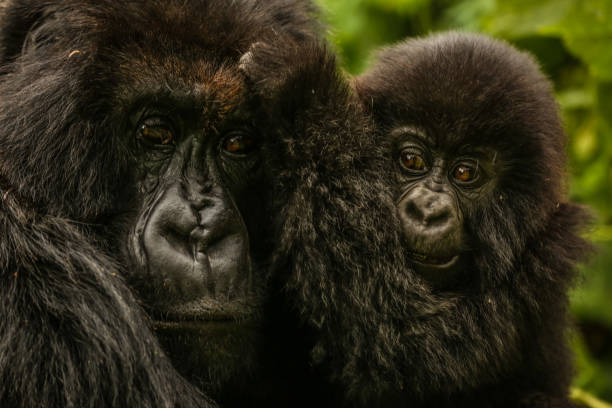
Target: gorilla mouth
column 429, row 260
column 205, row 311
column 195, row 324
column 201, row 319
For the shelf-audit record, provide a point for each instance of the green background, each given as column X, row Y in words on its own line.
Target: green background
column 573, row 41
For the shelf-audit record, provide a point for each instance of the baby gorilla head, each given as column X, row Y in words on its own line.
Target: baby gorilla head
column 476, row 144
column 473, row 152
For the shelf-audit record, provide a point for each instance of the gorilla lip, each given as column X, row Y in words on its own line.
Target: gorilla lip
column 207, row 311
column 431, row 261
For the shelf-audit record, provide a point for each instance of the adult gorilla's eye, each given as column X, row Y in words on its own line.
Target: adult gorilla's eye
column 239, row 143
column 412, row 160
column 465, row 174
column 157, row 134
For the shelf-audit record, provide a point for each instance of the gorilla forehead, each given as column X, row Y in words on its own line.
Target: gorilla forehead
column 459, row 85
column 204, row 88
column 216, row 29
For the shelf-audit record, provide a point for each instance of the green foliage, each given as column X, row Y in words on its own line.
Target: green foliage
column 587, row 399
column 572, row 39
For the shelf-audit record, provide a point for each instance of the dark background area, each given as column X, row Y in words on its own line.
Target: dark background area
column 572, row 39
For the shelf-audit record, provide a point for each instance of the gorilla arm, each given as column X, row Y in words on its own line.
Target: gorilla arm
column 328, row 193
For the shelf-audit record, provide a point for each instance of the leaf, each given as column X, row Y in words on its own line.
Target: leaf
column 587, row 32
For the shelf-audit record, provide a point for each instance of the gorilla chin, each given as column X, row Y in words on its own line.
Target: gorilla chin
column 224, row 347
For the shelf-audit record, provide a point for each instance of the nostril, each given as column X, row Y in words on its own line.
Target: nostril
column 438, row 217
column 200, row 203
column 413, row 212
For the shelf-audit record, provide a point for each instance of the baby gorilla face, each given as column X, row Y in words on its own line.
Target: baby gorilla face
column 437, row 185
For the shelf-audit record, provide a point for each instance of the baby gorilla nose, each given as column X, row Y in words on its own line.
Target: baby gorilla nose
column 428, row 214
column 196, row 248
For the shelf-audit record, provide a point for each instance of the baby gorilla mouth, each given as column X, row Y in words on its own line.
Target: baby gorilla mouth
column 441, row 271
column 441, row 261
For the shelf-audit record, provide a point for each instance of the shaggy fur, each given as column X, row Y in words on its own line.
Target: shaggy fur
column 71, row 333
column 313, row 108
column 384, row 334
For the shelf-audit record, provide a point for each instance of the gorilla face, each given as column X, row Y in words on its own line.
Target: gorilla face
column 190, row 241
column 196, row 199
column 437, row 182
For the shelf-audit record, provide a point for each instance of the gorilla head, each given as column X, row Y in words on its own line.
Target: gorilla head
column 128, row 147
column 476, row 142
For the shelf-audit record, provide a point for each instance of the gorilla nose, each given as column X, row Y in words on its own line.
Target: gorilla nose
column 426, row 212
column 195, row 245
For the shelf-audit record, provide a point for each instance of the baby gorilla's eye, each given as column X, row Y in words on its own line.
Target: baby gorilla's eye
column 412, row 161
column 465, row 174
column 157, row 134
column 239, row 143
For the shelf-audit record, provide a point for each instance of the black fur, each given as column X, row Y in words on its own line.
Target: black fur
column 385, row 335
column 72, row 334
column 325, row 185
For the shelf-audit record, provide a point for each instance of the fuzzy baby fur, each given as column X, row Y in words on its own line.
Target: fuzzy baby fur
column 381, row 331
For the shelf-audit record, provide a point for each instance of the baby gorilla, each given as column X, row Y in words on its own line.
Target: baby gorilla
column 474, row 156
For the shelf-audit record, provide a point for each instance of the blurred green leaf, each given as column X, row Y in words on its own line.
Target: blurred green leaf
column 576, row 98
column 587, row 31
column 520, row 18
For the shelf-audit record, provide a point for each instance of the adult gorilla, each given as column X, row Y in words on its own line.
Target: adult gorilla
column 128, row 148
